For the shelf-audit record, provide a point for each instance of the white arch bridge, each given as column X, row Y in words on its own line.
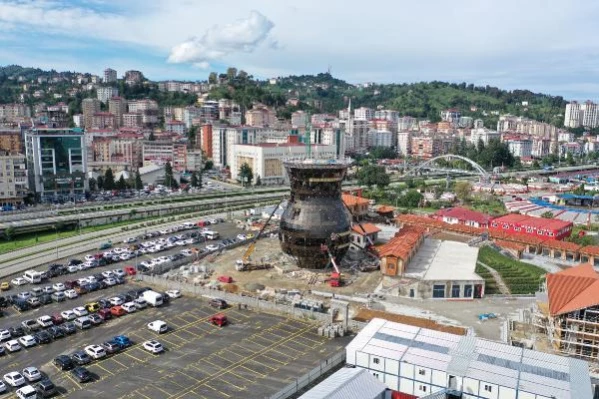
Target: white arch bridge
column 430, row 165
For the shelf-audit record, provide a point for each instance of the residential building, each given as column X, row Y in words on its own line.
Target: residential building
column 327, row 134
column 451, row 115
column 586, row 114
column 464, row 217
column 520, row 147
column 406, row 123
column 266, row 159
column 149, row 117
column 484, row 135
column 90, row 106
column 380, row 138
column 56, row 163
column 387, row 114
column 12, row 112
column 142, row 105
column 566, row 137
column 552, row 229
column 117, row 106
column 426, row 146
column 176, row 127
column 190, row 114
column 133, row 77
column 11, row 141
column 260, row 117
column 109, row 75
column 106, row 92
column 356, row 134
column 195, row 161
column 364, row 235
column 132, row 119
column 358, row 206
column 540, row 147
column 363, row 114
column 418, row 362
column 466, row 122
column 125, row 149
column 161, row 152
column 299, row 119
column 349, row 383
column 404, row 143
column 103, row 120
column 13, row 178
column 206, row 140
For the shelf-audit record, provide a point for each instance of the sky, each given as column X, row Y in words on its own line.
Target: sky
column 545, row 46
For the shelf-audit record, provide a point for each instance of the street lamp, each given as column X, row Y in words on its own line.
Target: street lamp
column 56, row 228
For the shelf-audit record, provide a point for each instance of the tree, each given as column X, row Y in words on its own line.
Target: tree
column 121, row 184
column 93, row 183
column 371, row 175
column 258, row 181
column 246, row 175
column 138, row 182
column 9, row 233
column 382, row 153
column 169, row 179
column 151, row 137
column 462, row 190
column 100, row 182
column 411, row 199
column 547, row 215
column 192, row 136
column 209, row 164
column 212, row 78
column 109, row 180
column 194, row 180
column 231, row 73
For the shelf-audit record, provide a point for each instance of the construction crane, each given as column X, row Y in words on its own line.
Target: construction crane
column 244, row 264
column 335, row 279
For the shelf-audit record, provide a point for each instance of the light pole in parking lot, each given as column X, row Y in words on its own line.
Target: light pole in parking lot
column 56, row 228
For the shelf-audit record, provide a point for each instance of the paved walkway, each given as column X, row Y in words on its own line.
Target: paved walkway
column 501, row 286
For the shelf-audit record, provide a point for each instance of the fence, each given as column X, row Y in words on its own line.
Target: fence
column 254, row 303
column 310, row 377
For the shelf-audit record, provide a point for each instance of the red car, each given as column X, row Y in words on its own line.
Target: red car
column 105, row 314
column 225, row 279
column 130, row 270
column 219, row 320
column 117, row 311
column 57, row 319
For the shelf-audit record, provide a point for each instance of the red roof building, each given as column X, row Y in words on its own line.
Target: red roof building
column 364, row 234
column 551, row 229
column 398, row 251
column 463, row 216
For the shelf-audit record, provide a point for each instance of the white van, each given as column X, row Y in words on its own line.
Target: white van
column 211, row 235
column 33, row 277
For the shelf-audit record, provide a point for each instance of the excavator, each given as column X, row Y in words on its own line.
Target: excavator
column 245, row 264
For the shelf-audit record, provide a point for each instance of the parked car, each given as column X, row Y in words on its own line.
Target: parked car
column 68, row 315
column 27, row 341
column 64, row 362
column 32, row 374
column 68, row 328
column 111, row 347
column 158, row 326
column 57, row 319
column 81, row 374
column 81, row 358
column 218, row 303
column 173, row 293
column 117, row 311
column 123, row 341
column 95, row 319
column 129, row 307
column 45, row 388
column 14, row 379
column 56, row 332
column 42, row 337
column 152, row 346
column 12, row 346
column 95, row 351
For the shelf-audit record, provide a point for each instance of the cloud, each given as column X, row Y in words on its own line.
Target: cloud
column 243, row 35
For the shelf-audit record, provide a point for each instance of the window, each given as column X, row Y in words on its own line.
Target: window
column 455, row 291
column 468, row 291
column 376, row 375
column 422, row 388
column 488, row 388
column 421, row 372
column 438, row 291
column 376, row 360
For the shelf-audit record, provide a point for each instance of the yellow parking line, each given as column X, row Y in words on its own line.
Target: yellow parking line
column 133, row 357
column 265, row 365
column 74, row 382
column 219, row 391
column 251, row 371
column 273, row 359
column 108, row 371
column 243, row 378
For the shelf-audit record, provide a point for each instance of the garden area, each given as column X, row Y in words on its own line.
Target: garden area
column 520, row 277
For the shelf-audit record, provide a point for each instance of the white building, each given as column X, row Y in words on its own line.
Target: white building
column 329, row 135
column 419, row 362
column 363, row 114
column 387, row 114
column 406, row 123
column 109, row 75
column 299, row 119
column 520, row 148
column 266, row 159
column 224, row 138
column 404, row 143
column 349, row 383
column 565, row 137
column 380, row 138
column 106, row 93
column 577, row 114
column 13, row 178
column 483, row 134
column 78, row 120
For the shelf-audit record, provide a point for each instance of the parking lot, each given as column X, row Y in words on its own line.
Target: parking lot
column 254, row 356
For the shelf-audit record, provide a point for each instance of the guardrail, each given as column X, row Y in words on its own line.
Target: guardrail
column 310, row 377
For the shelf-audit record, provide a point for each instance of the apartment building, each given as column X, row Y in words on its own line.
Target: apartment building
column 404, row 143
column 11, row 141
column 133, row 77
column 387, row 114
column 13, row 178
column 206, row 140
column 56, row 163
column 483, row 134
column 132, row 119
column 380, row 138
column 103, row 120
column 299, row 119
column 363, row 114
column 117, row 106
column 90, row 107
column 109, row 75
column 325, row 134
column 407, row 123
column 142, row 105
column 520, row 147
column 105, row 93
column 12, row 112
column 426, row 146
column 176, row 127
column 260, row 117
column 451, row 115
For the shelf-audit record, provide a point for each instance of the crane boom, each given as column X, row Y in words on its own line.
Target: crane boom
column 252, row 246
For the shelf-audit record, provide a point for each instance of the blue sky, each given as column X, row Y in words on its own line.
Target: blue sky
column 541, row 45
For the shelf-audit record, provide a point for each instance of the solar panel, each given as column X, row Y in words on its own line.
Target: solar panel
column 523, row 367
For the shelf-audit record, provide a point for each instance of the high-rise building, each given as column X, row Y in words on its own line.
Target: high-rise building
column 90, row 107
column 206, row 140
column 106, row 93
column 117, row 106
column 13, row 178
column 11, row 141
column 380, row 138
column 103, row 120
column 109, row 75
column 520, row 148
column 387, row 114
column 299, row 119
column 133, row 77
column 132, row 119
column 404, row 143
column 56, row 163
column 363, row 114
column 586, row 114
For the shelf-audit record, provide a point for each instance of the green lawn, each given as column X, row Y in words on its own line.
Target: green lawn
column 490, row 284
column 520, row 277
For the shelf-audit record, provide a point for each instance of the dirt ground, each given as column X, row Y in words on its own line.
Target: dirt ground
column 268, row 250
column 369, row 314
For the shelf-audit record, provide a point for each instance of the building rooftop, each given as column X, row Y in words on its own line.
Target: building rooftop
column 347, row 383
column 403, row 243
column 538, row 223
column 367, row 228
column 438, row 260
column 464, row 214
column 572, row 289
column 525, row 370
column 353, row 200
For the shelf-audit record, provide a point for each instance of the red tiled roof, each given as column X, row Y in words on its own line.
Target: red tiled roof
column 572, row 289
column 592, row 250
column 561, row 245
column 403, row 243
column 352, row 200
column 385, row 209
column 539, row 223
column 510, row 245
column 464, row 214
column 367, row 228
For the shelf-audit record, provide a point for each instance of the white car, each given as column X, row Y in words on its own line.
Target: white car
column 71, row 294
column 48, row 289
column 173, row 293
column 45, row 321
column 89, row 258
column 95, row 351
column 32, row 374
column 241, row 237
column 24, row 295
column 27, row 341
column 108, row 254
column 129, row 240
column 80, row 311
column 140, row 303
column 118, row 251
column 158, row 326
column 129, row 307
column 212, row 247
column 126, row 256
column 5, row 335
column 12, row 345
column 59, row 287
column 115, row 301
column 119, row 273
column 110, row 281
column 73, row 268
column 213, row 221
column 146, row 263
column 14, row 379
column 153, row 346
column 181, row 243
column 27, row 392
column 92, row 279
column 186, row 252
column 18, row 281
column 107, row 274
column 68, row 315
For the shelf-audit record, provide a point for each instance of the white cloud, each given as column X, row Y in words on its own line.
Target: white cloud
column 243, row 35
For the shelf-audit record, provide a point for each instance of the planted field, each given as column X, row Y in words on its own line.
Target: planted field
column 490, row 284
column 520, row 277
